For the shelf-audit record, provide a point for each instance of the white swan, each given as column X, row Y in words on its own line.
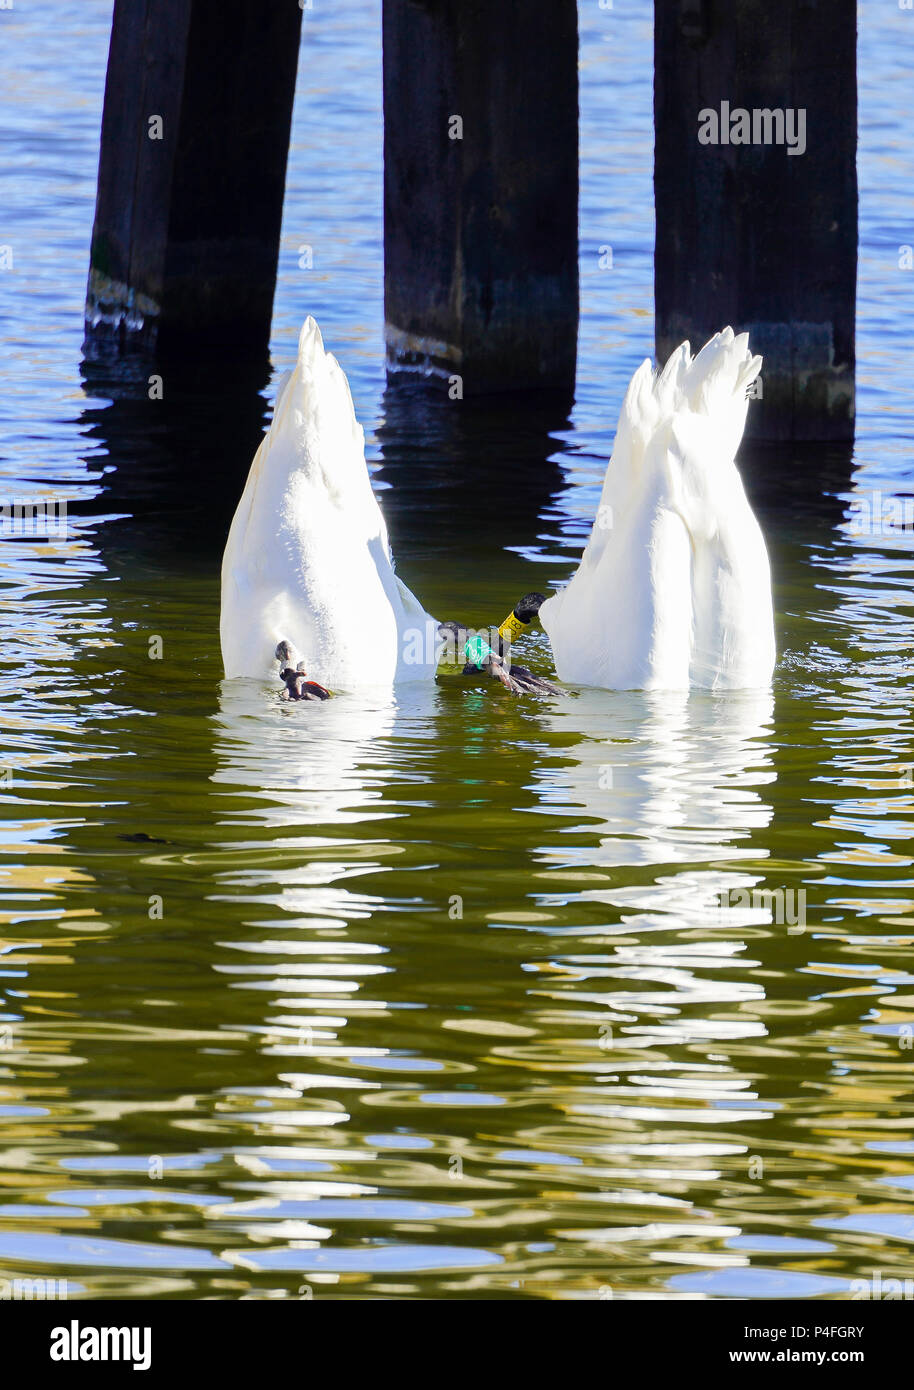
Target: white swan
column 674, row 587
column 307, row 558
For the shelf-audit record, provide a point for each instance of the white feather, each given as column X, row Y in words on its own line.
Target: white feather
column 307, row 557
column 674, row 587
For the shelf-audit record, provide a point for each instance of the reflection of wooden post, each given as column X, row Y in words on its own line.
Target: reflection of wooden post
column 195, row 136
column 750, row 234
column 481, row 190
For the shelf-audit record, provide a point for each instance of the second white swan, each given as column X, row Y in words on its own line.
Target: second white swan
column 674, row 587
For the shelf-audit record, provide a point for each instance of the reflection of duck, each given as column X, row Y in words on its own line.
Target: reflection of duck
column 674, row 587
column 307, row 559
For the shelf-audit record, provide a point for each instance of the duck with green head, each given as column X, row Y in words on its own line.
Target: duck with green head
column 494, row 660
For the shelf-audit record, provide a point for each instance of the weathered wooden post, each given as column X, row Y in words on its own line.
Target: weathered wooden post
column 195, row 137
column 481, row 191
column 756, row 196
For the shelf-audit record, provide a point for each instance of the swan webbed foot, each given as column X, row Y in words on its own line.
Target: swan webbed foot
column 500, row 671
column 299, row 687
column 527, row 681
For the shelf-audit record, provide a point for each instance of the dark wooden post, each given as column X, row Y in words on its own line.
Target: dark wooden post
column 761, row 235
column 195, row 137
column 481, row 190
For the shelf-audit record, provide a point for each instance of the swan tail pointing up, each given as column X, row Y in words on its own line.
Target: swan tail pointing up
column 673, row 588
column 308, row 559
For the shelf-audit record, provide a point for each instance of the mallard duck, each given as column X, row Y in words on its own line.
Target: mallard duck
column 517, row 679
column 493, row 656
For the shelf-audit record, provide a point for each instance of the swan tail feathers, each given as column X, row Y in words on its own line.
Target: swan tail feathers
column 714, row 399
column 724, row 369
column 310, row 341
column 674, row 586
column 713, row 384
column 308, row 557
column 638, row 416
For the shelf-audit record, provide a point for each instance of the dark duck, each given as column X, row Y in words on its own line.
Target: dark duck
column 295, row 677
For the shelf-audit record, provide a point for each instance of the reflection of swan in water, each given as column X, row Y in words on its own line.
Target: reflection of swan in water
column 309, row 797
column 667, row 778
column 306, row 787
column 669, row 786
column 317, row 763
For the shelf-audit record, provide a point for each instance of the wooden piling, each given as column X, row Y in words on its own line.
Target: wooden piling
column 481, row 191
column 195, row 137
column 753, row 234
